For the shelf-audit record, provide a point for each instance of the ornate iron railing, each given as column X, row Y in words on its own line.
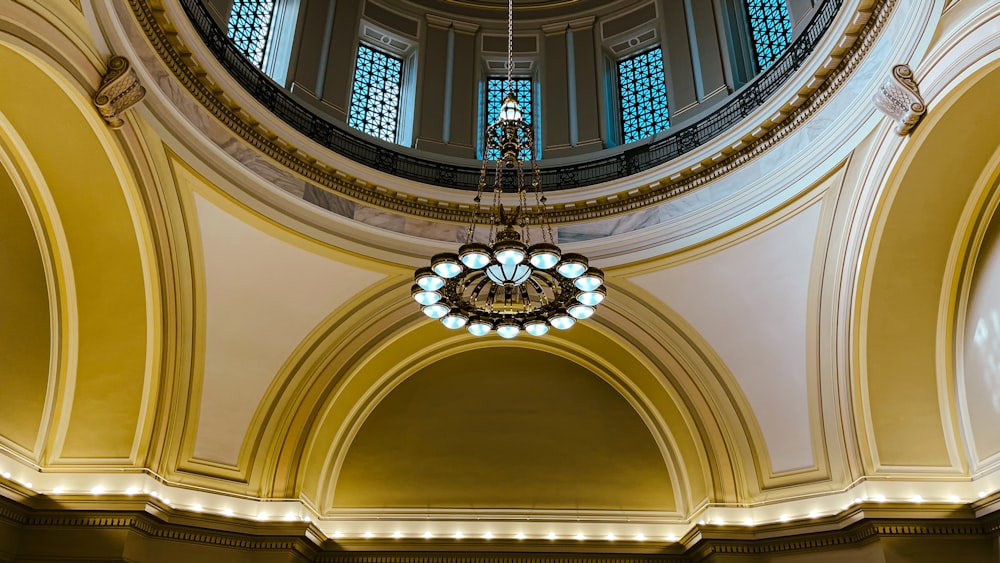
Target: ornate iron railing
column 601, row 169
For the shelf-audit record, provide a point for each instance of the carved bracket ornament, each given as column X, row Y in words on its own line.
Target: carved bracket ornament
column 119, row 90
column 899, row 98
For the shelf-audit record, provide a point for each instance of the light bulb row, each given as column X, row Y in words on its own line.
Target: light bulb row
column 520, row 536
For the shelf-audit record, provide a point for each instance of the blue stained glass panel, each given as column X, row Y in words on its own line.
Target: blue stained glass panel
column 642, row 88
column 496, row 90
column 378, row 80
column 771, row 28
column 249, row 26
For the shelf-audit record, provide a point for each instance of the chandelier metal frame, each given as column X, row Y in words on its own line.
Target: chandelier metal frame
column 508, row 284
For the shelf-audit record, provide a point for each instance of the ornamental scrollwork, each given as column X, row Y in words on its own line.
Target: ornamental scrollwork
column 899, row 98
column 119, row 90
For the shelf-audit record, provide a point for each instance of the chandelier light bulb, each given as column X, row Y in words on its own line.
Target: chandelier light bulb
column 424, row 297
column 508, row 330
column 474, row 255
column 510, row 256
column 581, row 312
column 428, row 280
column 509, row 252
column 510, row 110
column 479, row 328
column 562, row 321
column 454, row 320
column 544, row 255
column 436, row 311
column 572, row 266
column 446, row 265
column 536, row 328
column 591, row 298
column 592, row 279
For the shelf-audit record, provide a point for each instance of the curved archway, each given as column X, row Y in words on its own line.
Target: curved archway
column 909, row 281
column 319, row 415
column 102, row 276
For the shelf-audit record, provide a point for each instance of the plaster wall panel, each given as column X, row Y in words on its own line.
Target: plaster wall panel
column 313, row 47
column 262, row 297
column 343, row 50
column 434, row 52
column 749, row 301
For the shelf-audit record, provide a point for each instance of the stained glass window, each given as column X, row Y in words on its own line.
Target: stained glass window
column 771, row 28
column 642, row 88
column 378, row 79
column 496, row 90
column 249, row 26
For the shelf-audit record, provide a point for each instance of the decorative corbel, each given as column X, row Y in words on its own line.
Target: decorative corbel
column 119, row 90
column 899, row 98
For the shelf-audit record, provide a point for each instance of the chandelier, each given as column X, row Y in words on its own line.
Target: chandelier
column 508, row 284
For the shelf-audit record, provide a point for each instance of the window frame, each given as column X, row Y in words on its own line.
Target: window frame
column 403, row 71
column 764, row 59
column 250, row 44
column 275, row 52
column 621, row 120
column 489, row 117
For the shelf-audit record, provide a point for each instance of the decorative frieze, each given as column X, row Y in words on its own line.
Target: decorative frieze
column 119, row 90
column 900, row 99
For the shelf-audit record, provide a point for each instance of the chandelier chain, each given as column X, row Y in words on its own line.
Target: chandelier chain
column 510, row 46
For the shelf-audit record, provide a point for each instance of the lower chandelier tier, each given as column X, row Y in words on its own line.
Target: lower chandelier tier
column 509, row 287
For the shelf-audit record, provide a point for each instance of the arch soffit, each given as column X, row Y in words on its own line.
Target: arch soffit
column 910, row 265
column 350, row 367
column 65, row 187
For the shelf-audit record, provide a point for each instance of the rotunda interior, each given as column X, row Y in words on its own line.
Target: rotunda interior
column 212, row 212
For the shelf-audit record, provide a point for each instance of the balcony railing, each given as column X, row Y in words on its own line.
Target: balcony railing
column 403, row 164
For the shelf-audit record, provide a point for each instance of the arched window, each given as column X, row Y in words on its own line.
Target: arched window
column 496, row 90
column 771, row 29
column 642, row 92
column 375, row 96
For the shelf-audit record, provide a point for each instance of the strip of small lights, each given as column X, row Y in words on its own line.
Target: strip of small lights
column 362, row 528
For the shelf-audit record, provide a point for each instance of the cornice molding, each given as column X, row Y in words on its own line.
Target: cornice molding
column 859, row 36
column 305, row 541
